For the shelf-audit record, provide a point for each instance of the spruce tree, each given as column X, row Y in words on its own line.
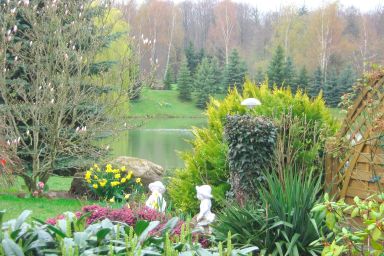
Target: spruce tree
column 331, row 94
column 184, row 82
column 289, row 74
column 235, row 71
column 317, row 83
column 169, row 78
column 217, row 75
column 276, row 68
column 303, row 80
column 192, row 58
column 259, row 76
column 346, row 80
column 204, row 83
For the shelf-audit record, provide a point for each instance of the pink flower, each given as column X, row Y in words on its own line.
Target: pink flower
column 51, row 221
column 40, row 184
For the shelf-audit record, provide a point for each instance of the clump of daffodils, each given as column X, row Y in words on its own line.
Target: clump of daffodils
column 112, row 184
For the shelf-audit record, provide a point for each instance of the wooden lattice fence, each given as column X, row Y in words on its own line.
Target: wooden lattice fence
column 355, row 157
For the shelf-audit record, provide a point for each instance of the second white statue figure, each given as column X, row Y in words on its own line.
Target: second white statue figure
column 156, row 200
column 205, row 216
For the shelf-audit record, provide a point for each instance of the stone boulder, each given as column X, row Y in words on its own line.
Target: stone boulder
column 146, row 170
column 80, row 188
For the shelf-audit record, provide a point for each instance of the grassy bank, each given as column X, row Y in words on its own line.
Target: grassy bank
column 163, row 103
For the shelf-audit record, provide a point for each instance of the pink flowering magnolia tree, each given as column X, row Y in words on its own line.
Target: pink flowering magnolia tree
column 51, row 106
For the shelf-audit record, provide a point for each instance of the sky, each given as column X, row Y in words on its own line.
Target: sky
column 275, row 5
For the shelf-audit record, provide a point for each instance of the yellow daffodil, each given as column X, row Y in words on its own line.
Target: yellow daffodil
column 129, row 176
column 88, row 180
column 112, row 200
column 138, row 180
column 103, row 182
column 123, row 169
column 95, row 177
column 115, row 183
column 117, row 176
column 116, row 171
column 88, row 175
column 123, row 180
column 95, row 186
column 96, row 166
column 108, row 168
column 126, row 196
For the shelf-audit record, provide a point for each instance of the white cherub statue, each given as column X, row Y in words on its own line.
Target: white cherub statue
column 156, row 200
column 205, row 216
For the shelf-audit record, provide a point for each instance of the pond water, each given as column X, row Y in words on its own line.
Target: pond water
column 157, row 140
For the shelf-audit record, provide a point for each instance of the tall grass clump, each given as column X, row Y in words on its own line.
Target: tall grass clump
column 281, row 223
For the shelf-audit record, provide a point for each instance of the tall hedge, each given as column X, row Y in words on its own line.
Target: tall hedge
column 207, row 163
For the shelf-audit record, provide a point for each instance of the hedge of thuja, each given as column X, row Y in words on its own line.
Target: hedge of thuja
column 207, row 163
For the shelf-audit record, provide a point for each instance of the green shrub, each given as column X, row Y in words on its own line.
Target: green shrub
column 282, row 224
column 351, row 235
column 207, row 164
column 251, row 143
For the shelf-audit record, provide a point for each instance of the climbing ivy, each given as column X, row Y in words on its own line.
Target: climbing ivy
column 251, row 141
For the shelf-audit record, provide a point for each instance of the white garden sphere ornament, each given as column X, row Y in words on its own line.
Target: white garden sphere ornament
column 251, row 102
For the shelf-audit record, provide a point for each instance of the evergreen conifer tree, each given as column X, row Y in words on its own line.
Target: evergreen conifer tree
column 276, row 68
column 235, row 71
column 169, row 78
column 290, row 74
column 193, row 58
column 331, row 92
column 217, row 75
column 303, row 80
column 184, row 82
column 317, row 83
column 346, row 80
column 259, row 76
column 204, row 83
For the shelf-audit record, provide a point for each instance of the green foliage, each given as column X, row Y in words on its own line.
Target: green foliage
column 207, row 164
column 193, row 57
column 283, row 224
column 331, row 94
column 251, row 141
column 317, row 84
column 204, row 83
column 357, row 228
column 72, row 237
column 302, row 80
column 184, row 82
column 235, row 71
column 290, row 74
column 169, row 78
column 49, row 96
column 276, row 68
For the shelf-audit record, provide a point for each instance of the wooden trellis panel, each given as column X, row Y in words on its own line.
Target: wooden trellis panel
column 355, row 157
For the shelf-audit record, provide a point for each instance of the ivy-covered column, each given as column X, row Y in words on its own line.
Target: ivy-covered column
column 251, row 141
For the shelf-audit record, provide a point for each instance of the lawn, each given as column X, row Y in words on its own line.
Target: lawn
column 55, row 183
column 42, row 208
column 338, row 113
column 163, row 103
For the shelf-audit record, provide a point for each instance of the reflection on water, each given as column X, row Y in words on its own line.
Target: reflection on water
column 159, row 145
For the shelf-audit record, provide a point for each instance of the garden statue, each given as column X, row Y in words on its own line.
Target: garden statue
column 156, row 200
column 205, row 216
